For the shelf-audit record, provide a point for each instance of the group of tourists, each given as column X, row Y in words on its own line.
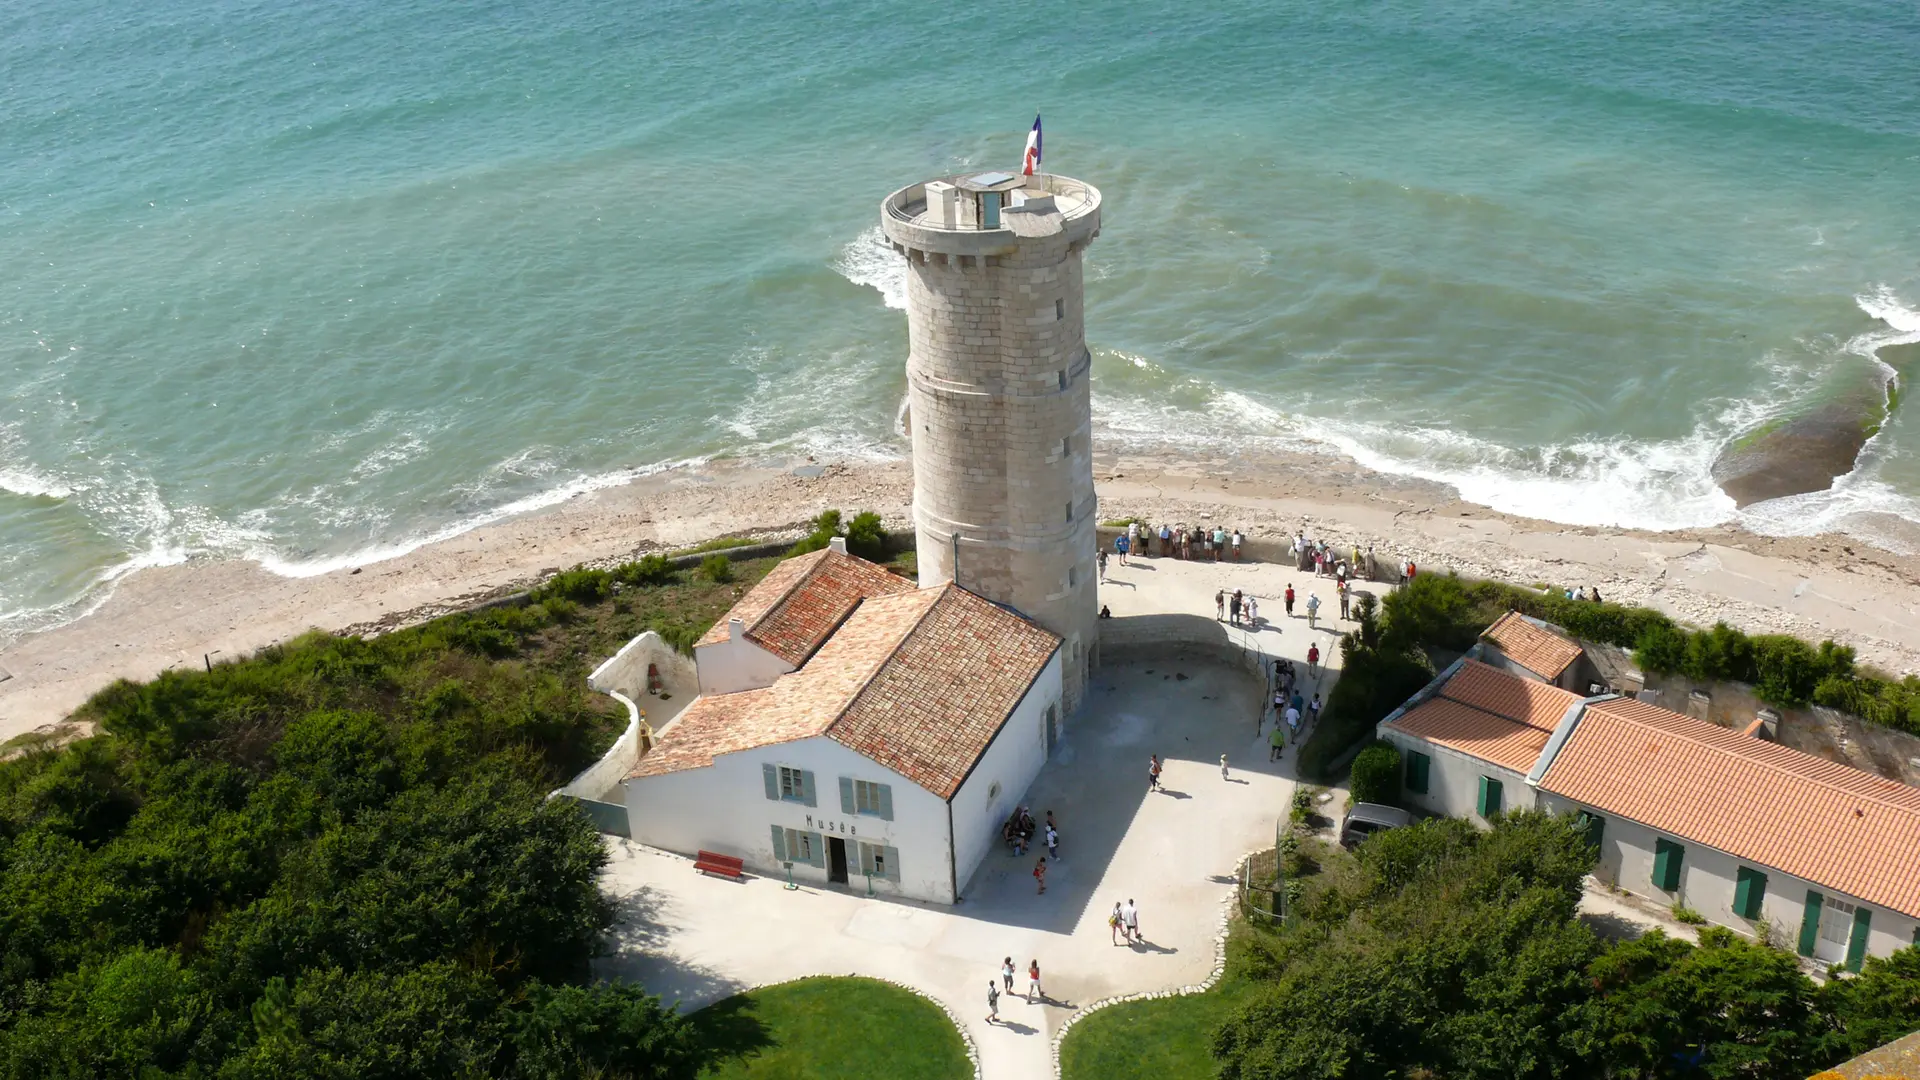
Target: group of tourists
column 1293, row 711
column 1018, row 832
column 1006, row 976
column 1239, row 608
column 1180, row 542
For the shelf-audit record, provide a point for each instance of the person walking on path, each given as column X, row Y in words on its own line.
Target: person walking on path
column 1040, row 876
column 1103, row 568
column 1113, row 927
column 1006, row 973
column 1346, row 599
column 1253, row 612
column 1223, row 767
column 1313, row 709
column 1131, row 917
column 1313, row 659
column 1219, row 605
column 1233, row 606
column 1120, row 546
column 1053, row 838
column 1277, row 742
column 1133, row 536
column 1153, row 772
column 1293, row 716
column 1313, row 608
column 993, row 1002
column 1289, row 599
column 1033, row 982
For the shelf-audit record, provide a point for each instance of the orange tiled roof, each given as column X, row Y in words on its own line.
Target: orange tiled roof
column 1490, row 714
column 1760, row 802
column 1533, row 647
column 919, row 681
column 793, row 609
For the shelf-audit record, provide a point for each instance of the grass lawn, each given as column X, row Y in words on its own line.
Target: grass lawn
column 830, row 1028
column 1161, row 1039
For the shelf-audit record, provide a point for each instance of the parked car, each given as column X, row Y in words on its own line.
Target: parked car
column 1365, row 819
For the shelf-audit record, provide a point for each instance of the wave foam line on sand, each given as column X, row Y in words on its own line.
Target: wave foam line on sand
column 871, row 261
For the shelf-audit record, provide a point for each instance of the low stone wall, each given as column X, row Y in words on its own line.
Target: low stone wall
column 1279, row 550
column 623, row 677
column 1823, row 732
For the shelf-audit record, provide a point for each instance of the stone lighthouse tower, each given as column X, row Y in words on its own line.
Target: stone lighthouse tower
column 997, row 395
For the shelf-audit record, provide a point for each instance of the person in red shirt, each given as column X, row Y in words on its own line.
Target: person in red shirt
column 1313, row 658
column 1289, row 600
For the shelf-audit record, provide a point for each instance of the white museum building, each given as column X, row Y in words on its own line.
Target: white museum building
column 853, row 730
column 1755, row 836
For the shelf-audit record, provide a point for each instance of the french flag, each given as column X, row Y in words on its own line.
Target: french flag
column 1033, row 147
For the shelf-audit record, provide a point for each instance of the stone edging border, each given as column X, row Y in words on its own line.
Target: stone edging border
column 1219, row 969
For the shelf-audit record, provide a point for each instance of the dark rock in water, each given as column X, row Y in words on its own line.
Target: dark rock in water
column 1796, row 454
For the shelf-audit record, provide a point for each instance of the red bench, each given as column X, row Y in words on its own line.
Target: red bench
column 727, row 866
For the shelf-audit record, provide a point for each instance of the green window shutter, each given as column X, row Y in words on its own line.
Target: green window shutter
column 1490, row 792
column 1857, row 940
column 886, row 801
column 779, row 844
column 893, row 867
column 808, row 795
column 772, row 777
column 819, row 846
column 1595, row 826
column 1418, row 765
column 1749, row 893
column 1810, row 922
column 866, row 858
column 846, row 794
column 1667, row 857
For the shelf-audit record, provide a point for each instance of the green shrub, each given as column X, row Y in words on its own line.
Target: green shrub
column 866, row 537
column 717, row 569
column 580, row 585
column 825, row 528
column 649, row 570
column 1376, row 774
column 1685, row 914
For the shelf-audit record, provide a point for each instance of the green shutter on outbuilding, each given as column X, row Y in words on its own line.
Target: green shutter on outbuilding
column 1749, row 893
column 846, row 795
column 1810, row 922
column 1857, row 940
column 886, row 801
column 1490, row 792
column 1667, row 857
column 779, row 844
column 772, row 776
column 1418, row 765
column 807, row 793
column 819, row 847
column 893, row 863
column 1595, row 826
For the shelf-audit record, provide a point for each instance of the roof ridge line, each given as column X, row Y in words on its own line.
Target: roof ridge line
column 867, row 683
column 1442, row 696
column 1762, row 762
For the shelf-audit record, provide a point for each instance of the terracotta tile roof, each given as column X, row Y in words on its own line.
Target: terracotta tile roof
column 932, row 710
column 918, row 681
column 1532, row 646
column 793, row 609
column 1763, row 803
column 1490, row 714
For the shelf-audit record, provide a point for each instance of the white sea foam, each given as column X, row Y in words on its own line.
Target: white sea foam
column 19, row 480
column 871, row 261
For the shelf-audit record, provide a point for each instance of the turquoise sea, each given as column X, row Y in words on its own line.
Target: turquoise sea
column 306, row 282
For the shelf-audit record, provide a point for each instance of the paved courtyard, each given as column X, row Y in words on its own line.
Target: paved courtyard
column 698, row 939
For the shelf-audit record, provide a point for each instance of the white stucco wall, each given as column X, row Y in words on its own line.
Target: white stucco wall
column 736, row 664
column 724, row 808
column 1010, row 764
column 1708, row 878
column 623, row 677
column 1453, row 781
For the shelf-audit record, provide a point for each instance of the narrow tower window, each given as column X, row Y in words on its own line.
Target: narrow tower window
column 1069, row 513
column 1066, row 446
column 1059, row 309
column 1062, row 374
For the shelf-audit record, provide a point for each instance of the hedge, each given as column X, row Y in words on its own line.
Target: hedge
column 1376, row 775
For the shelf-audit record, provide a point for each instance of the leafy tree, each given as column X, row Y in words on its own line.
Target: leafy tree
column 825, row 527
column 717, row 569
column 569, row 1032
column 648, row 570
column 1430, row 611
column 1875, row 1007
column 866, row 537
column 1376, row 774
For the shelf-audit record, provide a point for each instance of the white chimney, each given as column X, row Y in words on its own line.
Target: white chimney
column 736, row 630
column 839, row 544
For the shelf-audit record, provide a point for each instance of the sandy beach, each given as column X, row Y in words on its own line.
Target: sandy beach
column 182, row 616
